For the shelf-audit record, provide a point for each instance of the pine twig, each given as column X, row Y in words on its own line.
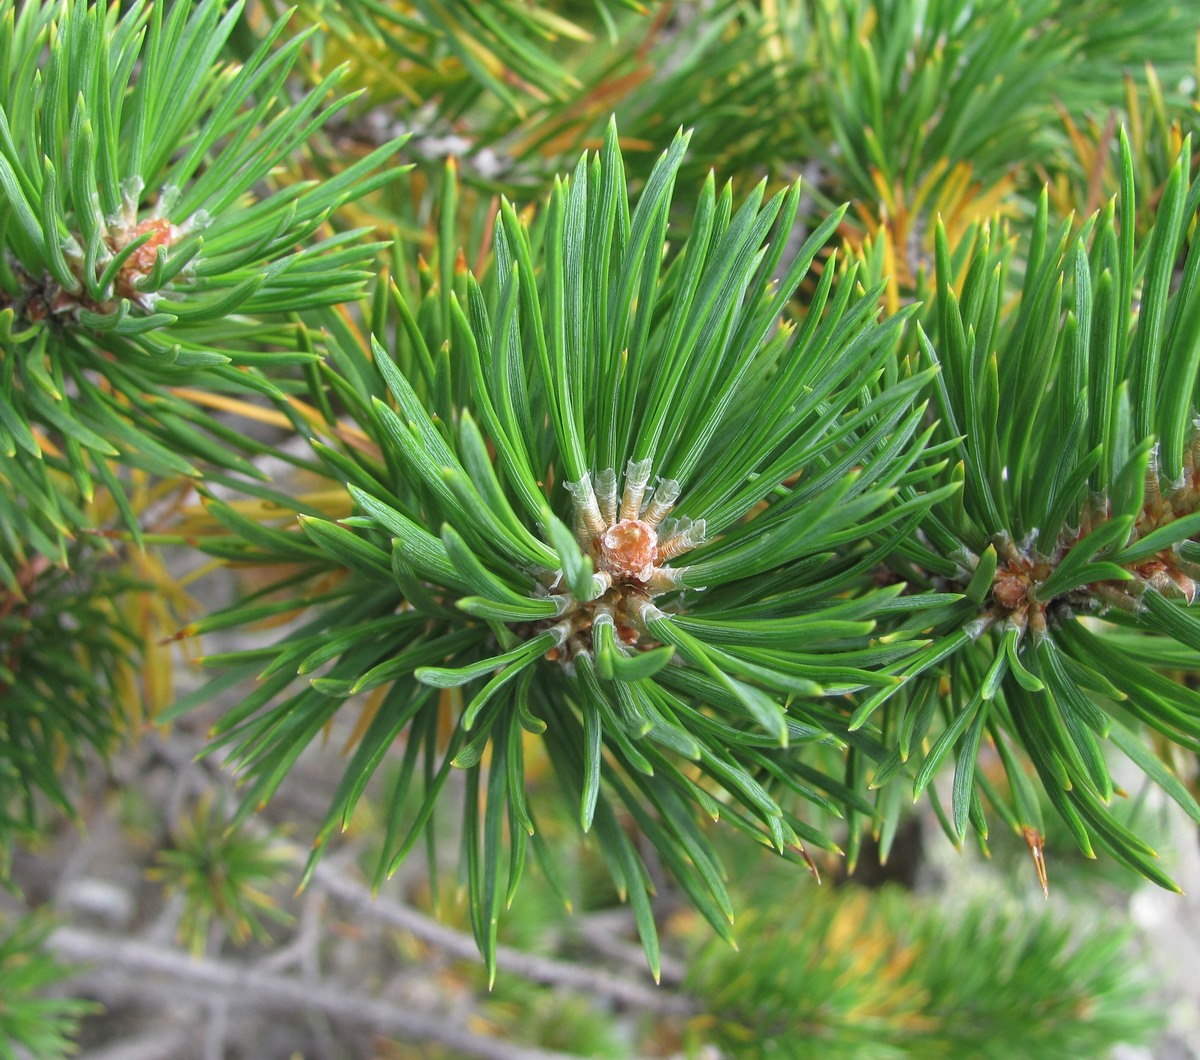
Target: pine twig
column 158, row 969
column 516, row 962
column 150, row 1046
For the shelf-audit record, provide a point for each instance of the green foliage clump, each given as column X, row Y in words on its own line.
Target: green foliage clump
column 1082, row 509
column 136, row 237
column 550, row 591
column 624, row 480
column 69, row 659
column 32, row 1024
column 461, row 53
column 852, row 973
column 225, row 874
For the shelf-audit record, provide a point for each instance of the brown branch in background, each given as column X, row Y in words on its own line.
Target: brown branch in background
column 538, row 969
column 154, row 970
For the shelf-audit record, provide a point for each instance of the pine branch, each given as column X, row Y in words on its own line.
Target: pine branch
column 156, row 971
column 1071, row 542
column 591, row 981
column 137, row 250
column 608, row 514
column 32, row 1024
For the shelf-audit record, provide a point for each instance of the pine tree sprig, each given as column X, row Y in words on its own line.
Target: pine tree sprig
column 69, row 667
column 1076, row 518
column 35, row 1020
column 137, row 248
column 853, row 973
column 502, row 575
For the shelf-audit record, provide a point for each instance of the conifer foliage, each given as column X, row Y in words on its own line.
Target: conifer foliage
column 136, row 236
column 621, row 516
column 725, row 503
column 1071, row 539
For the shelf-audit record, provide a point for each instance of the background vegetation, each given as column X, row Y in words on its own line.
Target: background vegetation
column 550, row 480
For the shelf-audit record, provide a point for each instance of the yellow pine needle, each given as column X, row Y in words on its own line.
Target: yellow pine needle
column 365, row 717
column 47, row 447
column 557, row 26
column 928, row 185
